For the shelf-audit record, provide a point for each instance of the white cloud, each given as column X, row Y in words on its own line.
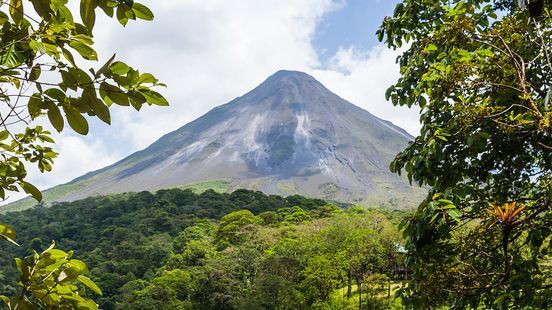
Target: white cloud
column 362, row 77
column 209, row 52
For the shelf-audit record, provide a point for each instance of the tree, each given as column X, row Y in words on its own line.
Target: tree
column 231, row 226
column 480, row 71
column 41, row 77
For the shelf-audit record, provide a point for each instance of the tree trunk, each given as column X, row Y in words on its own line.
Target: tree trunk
column 388, row 287
column 359, row 295
column 349, row 285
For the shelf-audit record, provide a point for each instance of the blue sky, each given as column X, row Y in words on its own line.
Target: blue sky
column 209, row 52
column 354, row 24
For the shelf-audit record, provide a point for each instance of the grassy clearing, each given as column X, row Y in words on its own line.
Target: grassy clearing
column 372, row 297
column 219, row 186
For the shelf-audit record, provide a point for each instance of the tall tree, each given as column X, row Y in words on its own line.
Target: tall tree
column 43, row 57
column 481, row 73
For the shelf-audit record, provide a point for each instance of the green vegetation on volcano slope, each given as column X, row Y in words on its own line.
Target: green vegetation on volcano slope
column 233, row 250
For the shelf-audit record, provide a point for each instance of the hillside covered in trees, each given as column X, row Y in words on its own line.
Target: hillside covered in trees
column 176, row 249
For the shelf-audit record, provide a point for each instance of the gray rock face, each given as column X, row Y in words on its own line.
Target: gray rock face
column 288, row 135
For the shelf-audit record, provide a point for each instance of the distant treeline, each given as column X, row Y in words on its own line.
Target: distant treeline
column 176, row 249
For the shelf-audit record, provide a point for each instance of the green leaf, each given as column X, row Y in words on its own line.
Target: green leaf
column 16, row 10
column 69, row 81
column 38, row 46
column 5, row 299
column 108, row 10
column 153, row 97
column 56, row 94
column 84, row 50
column 90, row 284
column 69, row 56
column 454, row 214
column 8, row 233
column 142, row 12
column 55, row 117
column 78, row 265
column 76, row 121
column 121, row 14
column 34, row 106
column 4, row 134
column 147, row 78
column 35, row 73
column 81, row 76
column 55, row 253
column 31, row 190
column 114, row 94
column 42, row 7
column 136, row 99
column 430, row 48
column 86, row 39
column 87, row 304
column 64, row 14
column 105, row 67
column 3, row 18
column 22, row 267
column 119, row 68
column 102, row 111
column 88, row 13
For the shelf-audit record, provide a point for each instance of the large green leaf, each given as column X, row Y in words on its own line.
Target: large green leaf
column 55, row 117
column 105, row 67
column 119, row 68
column 153, row 97
column 90, row 284
column 76, row 121
column 84, row 50
column 101, row 111
column 31, row 190
column 34, row 106
column 121, row 14
column 35, row 73
column 142, row 12
column 8, row 233
column 114, row 94
column 16, row 10
column 42, row 7
column 88, row 13
column 147, row 78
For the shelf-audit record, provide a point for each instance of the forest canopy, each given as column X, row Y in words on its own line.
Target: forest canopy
column 239, row 250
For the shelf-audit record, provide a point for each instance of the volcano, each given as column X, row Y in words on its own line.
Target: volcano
column 289, row 135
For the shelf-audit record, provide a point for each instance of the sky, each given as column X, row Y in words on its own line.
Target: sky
column 209, row 52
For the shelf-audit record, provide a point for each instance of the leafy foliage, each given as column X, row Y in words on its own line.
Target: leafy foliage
column 48, row 280
column 482, row 80
column 43, row 76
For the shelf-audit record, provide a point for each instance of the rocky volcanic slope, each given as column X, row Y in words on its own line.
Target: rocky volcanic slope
column 288, row 135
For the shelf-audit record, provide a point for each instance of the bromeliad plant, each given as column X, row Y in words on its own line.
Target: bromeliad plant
column 506, row 216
